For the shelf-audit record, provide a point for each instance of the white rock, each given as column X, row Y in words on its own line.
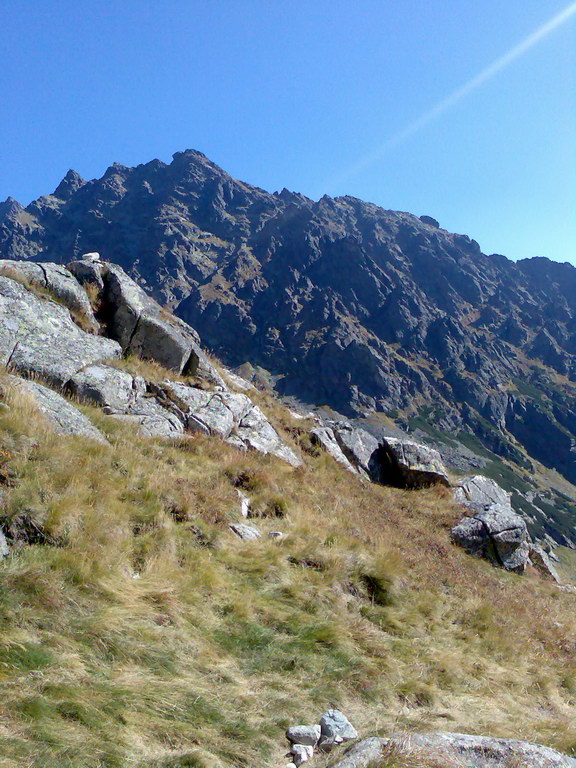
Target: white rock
column 245, row 503
column 302, row 753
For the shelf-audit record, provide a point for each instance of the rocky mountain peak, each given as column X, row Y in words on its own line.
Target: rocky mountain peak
column 70, row 184
column 10, row 208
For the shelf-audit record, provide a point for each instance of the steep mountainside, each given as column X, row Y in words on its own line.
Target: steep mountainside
column 190, row 571
column 341, row 302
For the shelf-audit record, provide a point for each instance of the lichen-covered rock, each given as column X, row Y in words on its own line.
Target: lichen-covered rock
column 63, row 417
column 112, row 389
column 126, row 397
column 301, row 753
column 38, row 336
column 325, row 437
column 406, row 464
column 479, row 492
column 55, row 279
column 456, row 750
column 141, row 325
column 357, row 445
column 152, row 419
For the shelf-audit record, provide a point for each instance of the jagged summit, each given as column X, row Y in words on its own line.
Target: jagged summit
column 69, row 184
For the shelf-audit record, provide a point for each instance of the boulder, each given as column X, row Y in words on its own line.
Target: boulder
column 497, row 534
column 455, row 750
column 301, row 753
column 325, row 437
column 406, row 464
column 88, row 271
column 304, row 734
column 62, row 416
column 335, row 728
column 38, row 336
column 141, row 325
column 245, row 532
column 256, row 432
column 114, row 390
column 357, row 445
column 543, row 563
column 55, row 279
column 152, row 419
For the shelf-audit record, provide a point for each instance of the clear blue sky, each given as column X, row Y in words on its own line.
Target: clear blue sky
column 307, row 94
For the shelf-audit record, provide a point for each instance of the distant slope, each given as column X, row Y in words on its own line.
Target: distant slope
column 344, row 303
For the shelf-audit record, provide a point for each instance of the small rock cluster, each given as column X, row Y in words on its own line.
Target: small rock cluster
column 333, row 729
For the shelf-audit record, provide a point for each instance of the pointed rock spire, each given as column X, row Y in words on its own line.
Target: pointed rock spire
column 69, row 184
column 9, row 209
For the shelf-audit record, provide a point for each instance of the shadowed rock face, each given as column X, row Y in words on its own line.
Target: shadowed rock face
column 345, row 303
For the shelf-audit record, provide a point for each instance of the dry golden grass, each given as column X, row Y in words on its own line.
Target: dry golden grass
column 148, row 635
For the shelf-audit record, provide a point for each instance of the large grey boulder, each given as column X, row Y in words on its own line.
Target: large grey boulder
column 230, row 415
column 491, row 529
column 325, row 437
column 456, row 750
column 255, row 432
column 141, row 325
column 38, row 336
column 335, row 728
column 357, row 445
column 62, row 416
column 152, row 420
column 114, row 390
column 56, row 280
column 406, row 464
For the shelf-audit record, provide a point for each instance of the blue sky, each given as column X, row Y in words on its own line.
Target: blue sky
column 306, row 94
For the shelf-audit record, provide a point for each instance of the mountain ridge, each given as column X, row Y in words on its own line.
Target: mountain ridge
column 336, row 302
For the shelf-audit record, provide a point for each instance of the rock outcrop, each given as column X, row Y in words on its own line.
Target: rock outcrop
column 62, row 416
column 140, row 324
column 406, row 464
column 39, row 338
column 454, row 750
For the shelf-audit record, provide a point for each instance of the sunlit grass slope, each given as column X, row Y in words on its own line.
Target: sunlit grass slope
column 139, row 631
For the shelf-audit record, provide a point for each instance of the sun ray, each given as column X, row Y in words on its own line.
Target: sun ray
column 457, row 95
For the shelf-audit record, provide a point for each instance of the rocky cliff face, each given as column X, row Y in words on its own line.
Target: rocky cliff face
column 341, row 302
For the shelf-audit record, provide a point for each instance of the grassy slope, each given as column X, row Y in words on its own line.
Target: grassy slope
column 217, row 645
